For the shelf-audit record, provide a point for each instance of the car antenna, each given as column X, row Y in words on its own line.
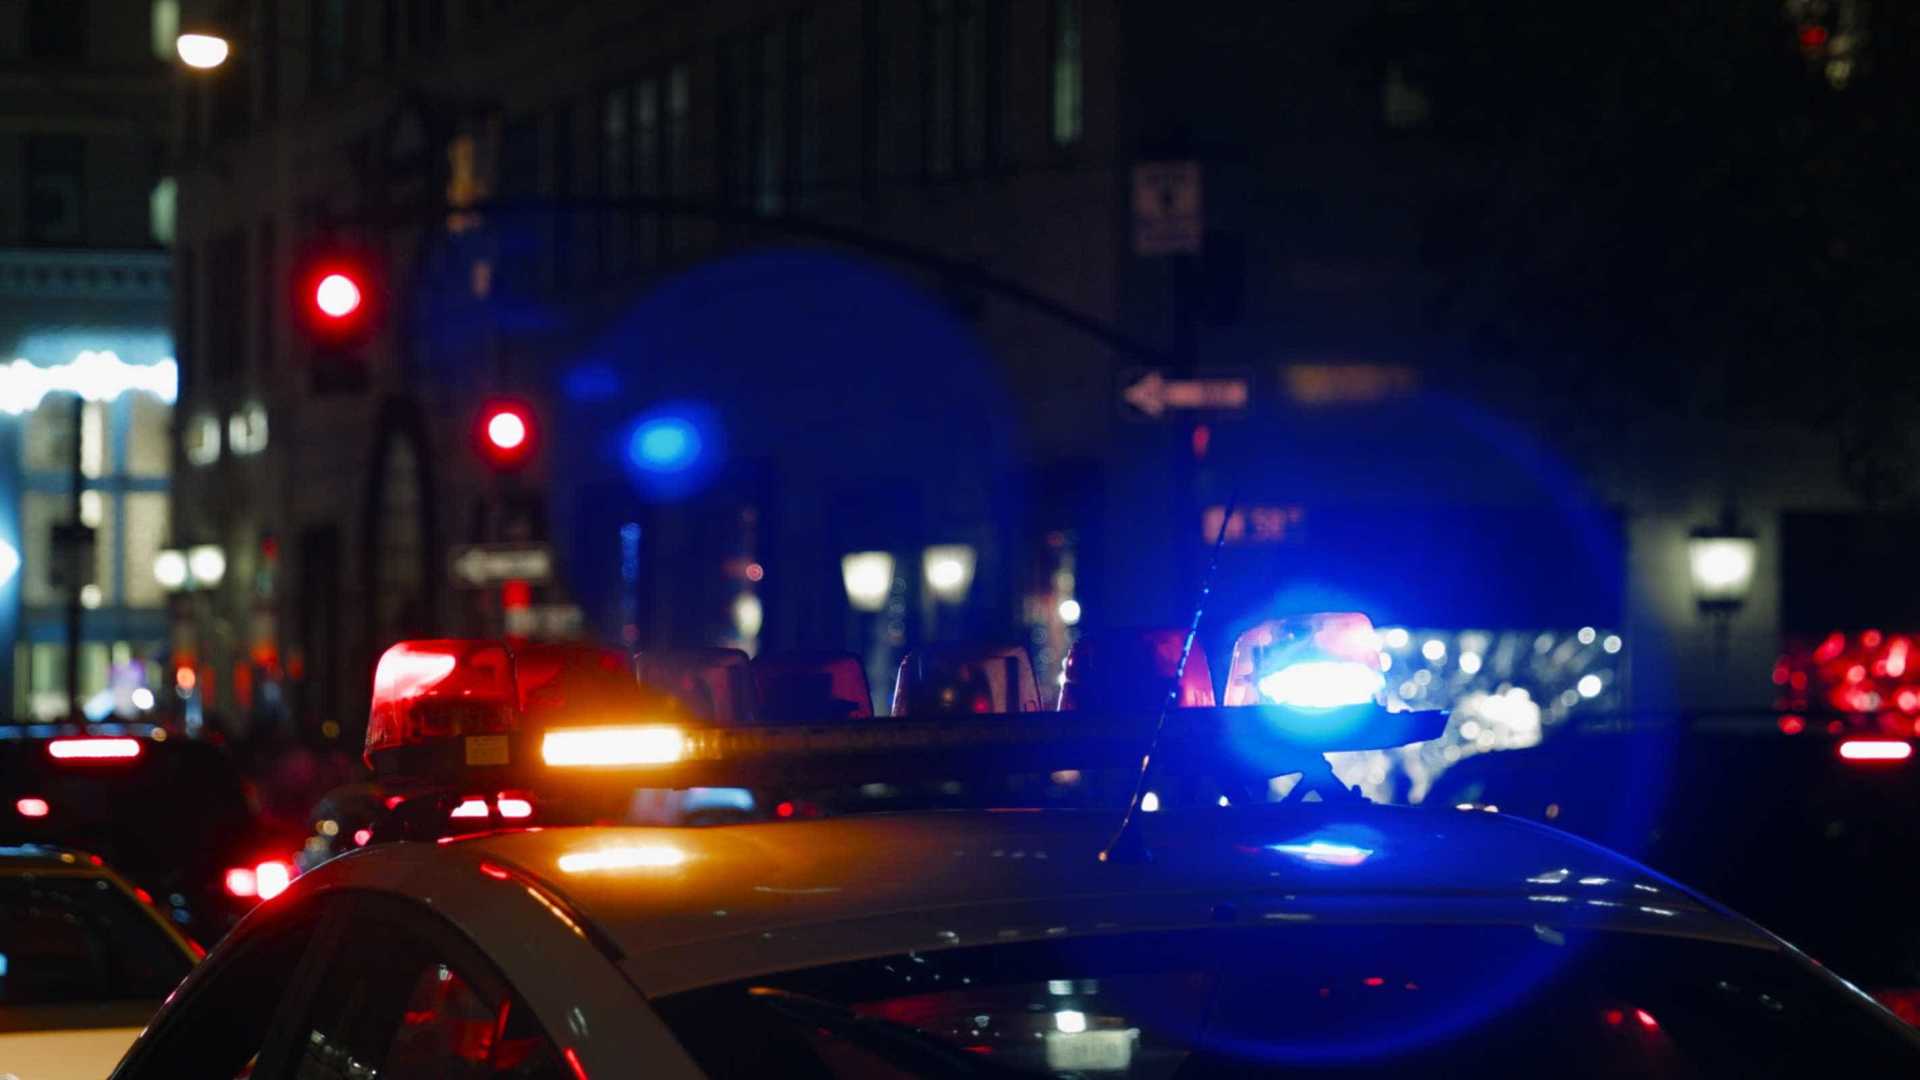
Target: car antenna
column 1127, row 845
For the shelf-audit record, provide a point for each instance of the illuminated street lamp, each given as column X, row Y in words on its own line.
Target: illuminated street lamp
column 868, row 576
column 206, row 565
column 170, row 569
column 948, row 569
column 1721, row 561
column 202, row 52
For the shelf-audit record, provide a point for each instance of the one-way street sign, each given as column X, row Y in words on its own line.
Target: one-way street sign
column 1151, row 395
column 480, row 566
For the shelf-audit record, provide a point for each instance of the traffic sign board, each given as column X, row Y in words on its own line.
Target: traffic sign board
column 1168, row 218
column 1150, row 394
column 479, row 566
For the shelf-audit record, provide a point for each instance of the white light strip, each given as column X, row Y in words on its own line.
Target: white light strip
column 95, row 376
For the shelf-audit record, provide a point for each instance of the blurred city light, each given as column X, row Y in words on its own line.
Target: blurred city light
column 9, row 562
column 31, row 806
column 506, row 430
column 868, row 577
column 1070, row 611
column 203, row 52
column 667, row 444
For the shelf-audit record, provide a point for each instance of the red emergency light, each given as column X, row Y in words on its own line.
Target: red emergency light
column 434, row 691
column 94, row 749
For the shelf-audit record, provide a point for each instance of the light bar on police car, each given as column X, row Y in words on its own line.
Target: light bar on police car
column 1321, row 661
column 470, row 712
column 613, row 745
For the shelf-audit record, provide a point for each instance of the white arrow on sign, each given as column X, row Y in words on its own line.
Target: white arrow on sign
column 1154, row 394
column 484, row 565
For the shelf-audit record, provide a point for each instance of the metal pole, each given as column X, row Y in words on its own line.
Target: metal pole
column 76, row 577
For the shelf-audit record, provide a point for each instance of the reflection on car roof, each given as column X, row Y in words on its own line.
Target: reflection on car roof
column 689, row 907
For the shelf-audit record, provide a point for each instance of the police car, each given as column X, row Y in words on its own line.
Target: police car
column 1226, row 934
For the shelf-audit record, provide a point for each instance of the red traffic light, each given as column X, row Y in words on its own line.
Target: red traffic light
column 505, row 433
column 337, row 295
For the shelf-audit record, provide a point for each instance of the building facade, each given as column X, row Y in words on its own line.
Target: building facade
column 87, row 375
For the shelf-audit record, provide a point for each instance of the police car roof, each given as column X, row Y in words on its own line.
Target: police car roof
column 696, row 907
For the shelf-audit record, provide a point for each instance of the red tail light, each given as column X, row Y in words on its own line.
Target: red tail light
column 470, row 808
column 264, row 880
column 241, row 882
column 94, row 749
column 513, row 807
column 272, row 878
column 31, row 806
column 1876, row 750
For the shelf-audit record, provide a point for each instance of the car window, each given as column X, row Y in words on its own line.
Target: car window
column 1306, row 1000
column 76, row 937
column 402, row 997
column 220, row 1024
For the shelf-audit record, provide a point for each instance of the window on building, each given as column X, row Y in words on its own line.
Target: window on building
column 961, row 73
column 149, row 438
column 56, row 189
column 763, row 134
column 1069, row 74
column 56, row 30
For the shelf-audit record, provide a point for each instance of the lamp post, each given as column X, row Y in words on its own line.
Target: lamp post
column 1720, row 563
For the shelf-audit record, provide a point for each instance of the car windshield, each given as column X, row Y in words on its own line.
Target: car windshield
column 69, row 938
column 1300, row 1000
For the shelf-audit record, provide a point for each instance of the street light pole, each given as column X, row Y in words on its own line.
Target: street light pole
column 76, row 578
